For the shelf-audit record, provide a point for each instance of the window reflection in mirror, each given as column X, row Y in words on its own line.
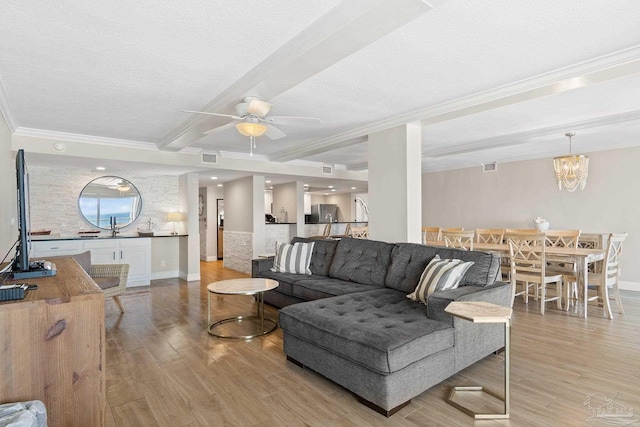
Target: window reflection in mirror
column 107, row 197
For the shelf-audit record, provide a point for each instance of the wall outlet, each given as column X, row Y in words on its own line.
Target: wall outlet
column 163, row 263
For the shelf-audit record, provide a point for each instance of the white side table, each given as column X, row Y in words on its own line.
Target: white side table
column 484, row 312
column 248, row 286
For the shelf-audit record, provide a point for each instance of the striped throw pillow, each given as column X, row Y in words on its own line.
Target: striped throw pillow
column 293, row 258
column 439, row 275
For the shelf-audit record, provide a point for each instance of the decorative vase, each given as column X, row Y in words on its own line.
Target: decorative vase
column 540, row 224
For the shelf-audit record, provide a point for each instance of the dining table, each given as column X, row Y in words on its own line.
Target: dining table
column 579, row 256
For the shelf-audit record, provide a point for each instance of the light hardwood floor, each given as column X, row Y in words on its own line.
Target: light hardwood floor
column 163, row 368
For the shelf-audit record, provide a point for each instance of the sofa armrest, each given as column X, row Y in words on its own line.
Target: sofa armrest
column 498, row 293
column 259, row 265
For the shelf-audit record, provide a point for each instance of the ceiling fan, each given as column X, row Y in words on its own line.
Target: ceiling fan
column 252, row 120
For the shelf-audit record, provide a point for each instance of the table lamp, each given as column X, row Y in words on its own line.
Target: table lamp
column 174, row 217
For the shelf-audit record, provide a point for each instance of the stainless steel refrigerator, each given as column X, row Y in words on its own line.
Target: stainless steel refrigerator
column 323, row 213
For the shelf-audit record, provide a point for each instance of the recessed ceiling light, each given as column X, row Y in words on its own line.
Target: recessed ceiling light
column 326, row 194
column 271, row 188
column 333, row 189
column 353, row 188
column 268, row 182
column 219, row 185
column 331, row 186
column 214, row 177
column 100, row 168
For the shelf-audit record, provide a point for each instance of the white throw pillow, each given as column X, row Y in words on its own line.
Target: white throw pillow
column 439, row 275
column 293, row 258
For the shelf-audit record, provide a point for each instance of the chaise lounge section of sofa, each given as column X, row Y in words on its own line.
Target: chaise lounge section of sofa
column 351, row 320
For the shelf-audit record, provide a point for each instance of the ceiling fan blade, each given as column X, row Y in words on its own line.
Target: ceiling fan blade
column 258, row 107
column 213, row 114
column 274, row 133
column 220, row 128
column 293, row 121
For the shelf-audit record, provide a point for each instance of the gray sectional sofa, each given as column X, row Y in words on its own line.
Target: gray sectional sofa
column 351, row 321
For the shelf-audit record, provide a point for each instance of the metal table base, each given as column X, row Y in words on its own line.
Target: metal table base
column 266, row 325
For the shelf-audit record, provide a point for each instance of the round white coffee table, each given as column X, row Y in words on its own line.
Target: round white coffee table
column 249, row 286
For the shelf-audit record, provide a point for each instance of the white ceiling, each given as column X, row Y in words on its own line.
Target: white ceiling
column 489, row 81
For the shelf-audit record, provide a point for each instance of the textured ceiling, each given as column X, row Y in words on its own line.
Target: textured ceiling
column 489, row 81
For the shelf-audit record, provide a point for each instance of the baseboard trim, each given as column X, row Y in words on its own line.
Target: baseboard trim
column 165, row 275
column 189, row 277
column 629, row 286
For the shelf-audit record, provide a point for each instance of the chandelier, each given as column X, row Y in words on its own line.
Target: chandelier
column 572, row 170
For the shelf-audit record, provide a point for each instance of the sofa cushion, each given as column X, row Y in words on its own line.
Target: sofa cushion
column 293, row 258
column 380, row 329
column 362, row 261
column 409, row 260
column 323, row 252
column 439, row 275
column 317, row 288
column 106, row 282
column 286, row 281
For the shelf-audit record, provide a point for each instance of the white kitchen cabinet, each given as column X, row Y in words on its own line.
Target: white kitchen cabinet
column 41, row 249
column 307, row 204
column 135, row 251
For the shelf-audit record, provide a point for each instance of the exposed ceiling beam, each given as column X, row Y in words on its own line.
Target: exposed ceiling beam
column 598, row 70
column 347, row 28
column 526, row 136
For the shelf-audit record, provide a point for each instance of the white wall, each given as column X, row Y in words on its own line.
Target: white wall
column 395, row 185
column 517, row 192
column 8, row 231
column 238, row 209
column 244, row 225
column 345, row 205
column 55, row 191
column 188, row 185
column 285, row 198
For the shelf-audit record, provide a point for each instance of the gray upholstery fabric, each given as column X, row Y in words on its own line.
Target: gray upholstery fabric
column 313, row 289
column 287, row 281
column 362, row 261
column 278, row 299
column 380, row 329
column 386, row 391
column 409, row 260
column 323, row 252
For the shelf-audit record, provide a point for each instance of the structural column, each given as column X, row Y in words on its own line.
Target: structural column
column 395, row 184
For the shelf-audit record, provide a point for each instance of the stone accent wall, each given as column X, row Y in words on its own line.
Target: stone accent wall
column 277, row 233
column 54, row 196
column 238, row 250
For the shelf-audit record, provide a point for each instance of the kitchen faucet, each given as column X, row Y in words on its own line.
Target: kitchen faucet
column 329, row 217
column 114, row 228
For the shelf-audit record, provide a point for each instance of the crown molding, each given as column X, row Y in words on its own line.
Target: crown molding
column 5, row 110
column 87, row 139
column 586, row 73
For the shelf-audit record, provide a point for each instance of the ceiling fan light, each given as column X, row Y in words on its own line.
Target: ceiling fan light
column 251, row 129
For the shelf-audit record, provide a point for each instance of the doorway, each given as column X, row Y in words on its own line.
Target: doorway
column 220, row 226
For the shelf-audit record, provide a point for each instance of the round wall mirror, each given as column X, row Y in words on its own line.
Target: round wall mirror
column 108, row 199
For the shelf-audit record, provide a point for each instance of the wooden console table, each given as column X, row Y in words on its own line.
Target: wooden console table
column 52, row 347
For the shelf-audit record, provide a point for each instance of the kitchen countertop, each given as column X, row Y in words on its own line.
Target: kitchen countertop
column 50, row 237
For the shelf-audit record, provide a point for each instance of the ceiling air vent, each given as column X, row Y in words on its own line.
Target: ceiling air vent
column 489, row 167
column 211, row 158
column 327, row 170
